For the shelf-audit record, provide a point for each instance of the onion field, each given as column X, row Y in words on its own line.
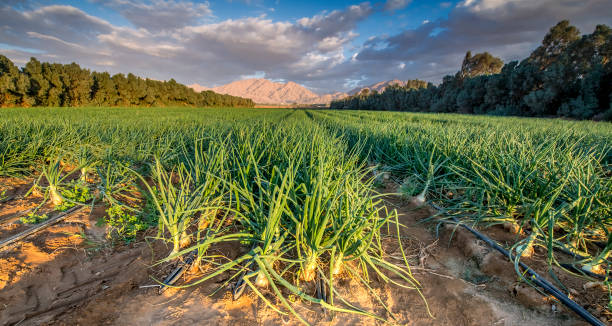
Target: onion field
column 301, row 191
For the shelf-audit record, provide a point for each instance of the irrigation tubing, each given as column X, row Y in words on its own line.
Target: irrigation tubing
column 177, row 273
column 582, row 271
column 534, row 277
column 240, row 286
column 16, row 214
column 321, row 289
column 39, row 227
column 568, row 252
column 7, row 199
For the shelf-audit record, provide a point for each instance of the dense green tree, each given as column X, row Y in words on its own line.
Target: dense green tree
column 103, row 91
column 8, row 88
column 479, row 64
column 46, row 84
column 39, row 85
column 568, row 75
column 555, row 42
column 78, row 84
column 56, row 94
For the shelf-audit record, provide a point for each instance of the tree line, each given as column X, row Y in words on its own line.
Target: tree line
column 54, row 84
column 568, row 75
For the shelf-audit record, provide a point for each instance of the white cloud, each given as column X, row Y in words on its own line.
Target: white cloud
column 172, row 38
column 393, row 5
column 108, row 63
column 510, row 29
column 311, row 50
column 55, row 39
column 337, row 21
column 160, row 15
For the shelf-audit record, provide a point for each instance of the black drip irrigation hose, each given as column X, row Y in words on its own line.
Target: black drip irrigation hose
column 7, row 199
column 568, row 252
column 320, row 289
column 177, row 273
column 39, row 227
column 577, row 270
column 240, row 285
column 533, row 276
column 18, row 214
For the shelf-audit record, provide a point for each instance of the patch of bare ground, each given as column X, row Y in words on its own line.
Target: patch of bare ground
column 490, row 282
column 12, row 201
column 69, row 275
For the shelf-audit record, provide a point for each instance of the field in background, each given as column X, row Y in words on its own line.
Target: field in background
column 301, row 184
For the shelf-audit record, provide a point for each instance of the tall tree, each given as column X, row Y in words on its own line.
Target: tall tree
column 479, row 64
column 555, row 42
column 103, row 91
column 39, row 86
column 568, row 75
column 53, row 84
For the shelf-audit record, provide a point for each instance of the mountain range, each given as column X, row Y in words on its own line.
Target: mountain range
column 379, row 87
column 263, row 91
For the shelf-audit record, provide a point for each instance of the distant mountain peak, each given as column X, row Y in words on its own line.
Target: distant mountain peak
column 198, row 88
column 379, row 87
column 264, row 91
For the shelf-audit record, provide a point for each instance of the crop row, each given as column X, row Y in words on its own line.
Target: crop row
column 300, row 202
column 298, row 189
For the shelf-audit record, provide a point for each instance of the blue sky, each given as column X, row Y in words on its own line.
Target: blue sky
column 325, row 45
column 408, row 14
column 412, row 14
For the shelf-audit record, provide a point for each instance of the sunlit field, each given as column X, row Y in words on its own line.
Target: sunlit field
column 302, row 193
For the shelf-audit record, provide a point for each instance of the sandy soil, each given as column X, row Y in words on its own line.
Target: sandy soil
column 68, row 274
